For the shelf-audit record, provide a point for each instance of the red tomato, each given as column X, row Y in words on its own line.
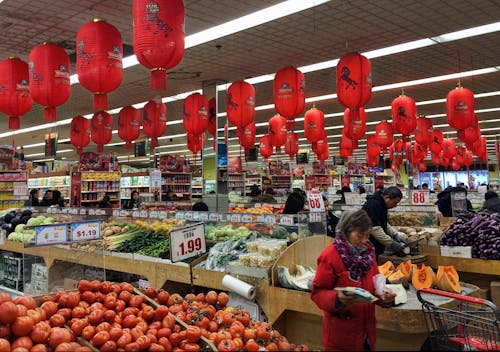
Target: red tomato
column 4, row 331
column 161, row 312
column 120, row 306
column 83, row 349
column 57, row 320
column 125, row 296
column 40, row 347
column 108, row 346
column 79, row 325
column 132, row 347
column 163, row 297
column 40, row 332
column 104, row 326
column 22, row 326
column 100, row 338
column 165, row 342
column 144, row 342
column 168, row 321
column 136, row 332
column 129, row 321
column 263, row 332
column 58, row 336
column 96, row 317
column 88, row 296
column 21, row 310
column 174, row 298
column 5, row 297
column 155, row 325
column 155, row 347
column 110, row 302
column 26, row 301
column 164, row 332
column 148, row 313
column 130, row 311
column 136, row 301
column 106, row 287
column 109, row 316
column 8, row 312
column 88, row 332
column 191, row 347
column 115, row 333
column 211, row 297
column 78, row 312
column 24, row 342
column 95, row 285
column 127, row 287
column 67, row 347
column 84, row 285
column 150, row 292
column 124, row 340
column 251, row 345
column 4, row 345
column 65, row 312
column 193, row 333
column 43, row 314
column 226, row 345
column 50, row 308
column 222, row 299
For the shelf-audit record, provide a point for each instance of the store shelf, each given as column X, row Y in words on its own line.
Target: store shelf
column 98, row 200
column 102, row 191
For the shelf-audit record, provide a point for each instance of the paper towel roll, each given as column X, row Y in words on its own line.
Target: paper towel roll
column 237, row 286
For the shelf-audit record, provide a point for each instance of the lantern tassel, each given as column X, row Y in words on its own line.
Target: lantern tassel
column 100, row 101
column 158, row 79
column 128, row 145
column 154, row 142
column 290, row 125
column 49, row 114
column 14, row 123
column 100, row 148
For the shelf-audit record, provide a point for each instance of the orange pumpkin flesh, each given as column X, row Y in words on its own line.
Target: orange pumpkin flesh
column 447, row 279
column 386, row 269
column 405, row 268
column 421, row 278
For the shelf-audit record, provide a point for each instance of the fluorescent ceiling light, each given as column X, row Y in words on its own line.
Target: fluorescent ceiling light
column 467, row 33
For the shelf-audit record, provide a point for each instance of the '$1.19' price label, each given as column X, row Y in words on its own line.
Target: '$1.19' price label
column 187, row 242
column 85, row 231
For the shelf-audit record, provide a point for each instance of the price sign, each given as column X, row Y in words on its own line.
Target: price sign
column 270, row 219
column 187, row 242
column 213, row 216
column 73, row 211
column 153, row 214
column 3, row 236
column 315, row 201
column 203, row 216
column 196, row 215
column 83, row 212
column 162, row 214
column 116, row 212
column 420, row 197
column 247, row 218
column 136, row 214
column 180, row 215
column 234, row 217
column 144, row 284
column 20, row 189
column 65, row 210
column 124, row 213
column 286, row 220
column 143, row 214
column 315, row 216
column 91, row 211
column 86, row 231
column 188, row 215
column 51, row 234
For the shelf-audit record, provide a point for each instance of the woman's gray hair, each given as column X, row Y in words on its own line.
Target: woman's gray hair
column 352, row 220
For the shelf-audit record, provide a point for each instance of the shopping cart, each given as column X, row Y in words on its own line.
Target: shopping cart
column 466, row 324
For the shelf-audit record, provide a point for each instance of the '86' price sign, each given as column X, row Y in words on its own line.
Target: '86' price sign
column 86, row 231
column 187, row 242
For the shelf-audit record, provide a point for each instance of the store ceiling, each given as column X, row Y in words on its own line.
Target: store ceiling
column 318, row 34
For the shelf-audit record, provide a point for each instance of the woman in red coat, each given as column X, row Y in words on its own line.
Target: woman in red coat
column 349, row 322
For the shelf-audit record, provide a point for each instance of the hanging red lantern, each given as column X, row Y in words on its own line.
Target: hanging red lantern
column 422, row 166
column 79, row 134
column 404, row 115
column 355, row 123
column 15, row 99
column 471, row 133
column 398, row 148
column 277, row 131
column 446, row 162
column 49, row 77
column 449, row 148
column 419, row 152
column 383, row 134
column 345, row 153
column 99, row 53
column 479, row 149
column 212, row 117
column 424, row 131
column 372, row 161
column 240, row 103
column 154, row 120
column 321, row 146
column 437, row 141
column 195, row 115
column 455, row 165
column 129, row 125
column 314, row 127
column 354, row 80
column 460, row 108
column 467, row 159
column 265, row 147
column 323, row 156
column 436, row 158
column 158, row 36
column 101, row 129
column 195, row 143
column 345, row 142
column 292, row 144
column 289, row 92
column 246, row 135
column 372, row 147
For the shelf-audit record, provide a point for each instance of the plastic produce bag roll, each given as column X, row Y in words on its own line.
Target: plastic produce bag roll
column 237, row 286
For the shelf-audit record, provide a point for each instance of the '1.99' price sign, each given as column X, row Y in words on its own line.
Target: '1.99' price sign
column 187, row 242
column 86, row 231
column 419, row 197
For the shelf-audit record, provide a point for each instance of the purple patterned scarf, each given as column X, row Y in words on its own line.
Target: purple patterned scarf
column 356, row 263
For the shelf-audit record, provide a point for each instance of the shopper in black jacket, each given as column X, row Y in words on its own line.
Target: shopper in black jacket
column 444, row 202
column 383, row 235
column 492, row 202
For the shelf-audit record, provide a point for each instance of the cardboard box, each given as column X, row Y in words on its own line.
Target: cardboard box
column 495, row 292
column 456, row 251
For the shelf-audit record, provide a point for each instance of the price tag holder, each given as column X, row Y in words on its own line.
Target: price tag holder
column 144, row 284
column 162, row 214
column 20, row 189
column 315, row 216
column 196, row 216
column 82, row 212
column 143, row 214
column 234, row 217
column 65, row 210
column 270, row 219
column 286, row 220
column 420, row 197
column 204, row 216
column 136, row 214
column 213, row 216
column 86, row 231
column 116, row 212
column 92, row 211
column 51, row 234
column 180, row 215
column 315, row 201
column 187, row 242
column 3, row 236
column 188, row 215
column 247, row 218
column 153, row 214
column 124, row 213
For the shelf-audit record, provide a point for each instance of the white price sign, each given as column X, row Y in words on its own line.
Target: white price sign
column 51, row 234
column 153, row 214
column 116, row 212
column 86, row 231
column 162, row 214
column 315, row 200
column 187, row 242
column 83, row 212
column 20, row 189
column 247, row 218
column 204, row 216
column 180, row 215
column 420, row 197
column 286, row 220
column 213, row 216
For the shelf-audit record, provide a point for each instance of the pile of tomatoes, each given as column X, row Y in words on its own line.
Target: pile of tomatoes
column 112, row 317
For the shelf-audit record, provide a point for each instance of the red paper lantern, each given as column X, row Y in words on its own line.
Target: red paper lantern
column 422, row 166
column 289, row 92
column 404, row 115
column 154, row 120
column 436, row 158
column 354, row 80
column 158, row 36
column 479, row 148
column 455, row 165
column 292, row 144
column 265, row 147
column 101, row 129
column 314, row 127
column 424, row 131
column 345, row 153
column 355, row 123
column 471, row 133
column 49, row 77
column 99, row 53
column 437, row 141
column 398, row 148
column 195, row 115
column 321, row 146
column 212, row 117
column 79, row 134
column 449, row 148
column 372, row 147
column 345, row 142
column 419, row 151
column 460, row 108
column 467, row 158
column 246, row 135
column 446, row 162
column 372, row 161
column 196, row 142
column 324, row 156
column 15, row 99
column 240, row 103
column 277, row 131
column 383, row 134
column 129, row 125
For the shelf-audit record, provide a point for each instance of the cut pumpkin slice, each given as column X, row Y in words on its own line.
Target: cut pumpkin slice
column 405, row 268
column 421, row 278
column 386, row 267
column 447, row 279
